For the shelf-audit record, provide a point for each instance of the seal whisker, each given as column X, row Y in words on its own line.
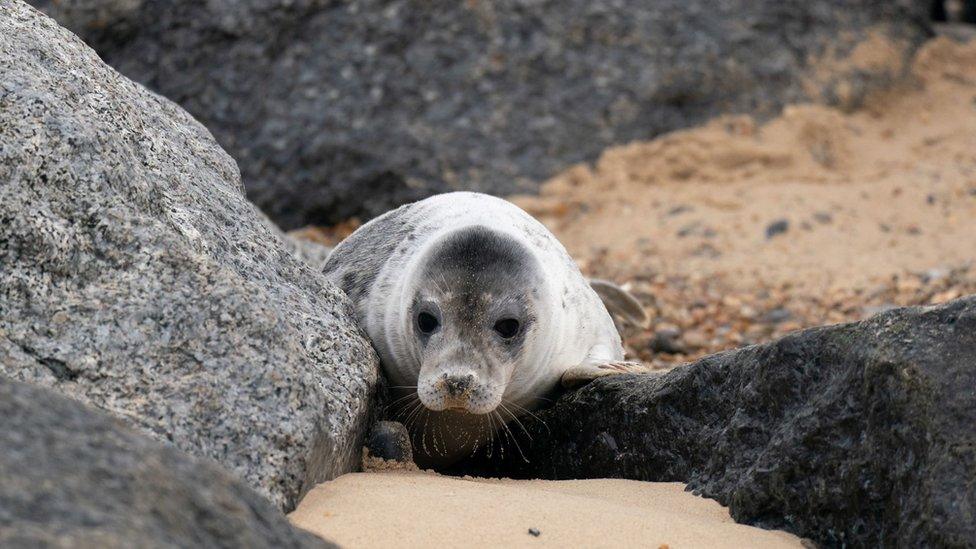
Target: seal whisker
column 401, row 399
column 513, row 438
column 517, row 420
column 423, row 439
column 491, row 435
column 414, row 415
column 530, row 413
column 405, row 409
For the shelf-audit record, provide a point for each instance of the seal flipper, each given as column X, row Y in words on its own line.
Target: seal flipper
column 619, row 302
column 594, row 367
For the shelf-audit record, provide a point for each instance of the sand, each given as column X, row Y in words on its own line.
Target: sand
column 418, row 509
column 887, row 189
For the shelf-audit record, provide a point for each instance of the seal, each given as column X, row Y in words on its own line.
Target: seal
column 476, row 311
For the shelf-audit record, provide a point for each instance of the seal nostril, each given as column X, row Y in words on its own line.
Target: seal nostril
column 457, row 386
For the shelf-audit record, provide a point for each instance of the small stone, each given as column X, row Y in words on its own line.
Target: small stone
column 668, row 342
column 777, row 227
column 930, row 199
column 389, row 440
column 677, row 210
column 823, row 217
column 534, row 532
column 688, row 229
column 777, row 315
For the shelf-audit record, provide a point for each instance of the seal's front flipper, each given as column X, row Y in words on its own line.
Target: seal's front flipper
column 591, row 369
column 619, row 302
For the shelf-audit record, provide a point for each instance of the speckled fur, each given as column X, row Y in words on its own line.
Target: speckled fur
column 472, row 258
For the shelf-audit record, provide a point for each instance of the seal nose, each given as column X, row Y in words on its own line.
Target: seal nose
column 458, row 386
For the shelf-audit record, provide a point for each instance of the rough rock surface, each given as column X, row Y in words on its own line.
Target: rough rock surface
column 858, row 434
column 336, row 109
column 134, row 275
column 74, row 477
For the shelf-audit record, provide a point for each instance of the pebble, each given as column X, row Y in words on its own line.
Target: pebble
column 667, row 341
column 683, row 208
column 389, row 440
column 695, row 316
column 777, row 315
column 777, row 227
column 534, row 532
column 823, row 217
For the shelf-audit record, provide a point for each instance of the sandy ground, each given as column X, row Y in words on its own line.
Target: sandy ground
column 883, row 190
column 416, row 509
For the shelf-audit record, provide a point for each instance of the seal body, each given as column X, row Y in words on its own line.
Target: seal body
column 475, row 309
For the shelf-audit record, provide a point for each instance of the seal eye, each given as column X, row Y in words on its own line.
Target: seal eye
column 507, row 327
column 427, row 323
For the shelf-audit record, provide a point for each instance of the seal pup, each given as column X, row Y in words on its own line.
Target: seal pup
column 476, row 311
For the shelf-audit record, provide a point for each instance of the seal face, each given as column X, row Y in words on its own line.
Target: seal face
column 476, row 311
column 473, row 311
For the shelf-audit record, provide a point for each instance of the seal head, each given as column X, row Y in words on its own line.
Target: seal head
column 472, row 316
column 477, row 313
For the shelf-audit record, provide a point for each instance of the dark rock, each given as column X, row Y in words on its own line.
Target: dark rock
column 339, row 109
column 135, row 276
column 778, row 227
column 74, row 477
column 390, row 440
column 860, row 434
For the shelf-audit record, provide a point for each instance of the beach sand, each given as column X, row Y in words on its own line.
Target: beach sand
column 859, row 195
column 422, row 509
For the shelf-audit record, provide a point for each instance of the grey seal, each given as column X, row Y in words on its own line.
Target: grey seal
column 476, row 311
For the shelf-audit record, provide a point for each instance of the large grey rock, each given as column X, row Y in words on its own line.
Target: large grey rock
column 135, row 276
column 858, row 435
column 73, row 477
column 336, row 109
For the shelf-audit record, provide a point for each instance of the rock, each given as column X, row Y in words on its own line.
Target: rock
column 136, row 277
column 858, row 434
column 668, row 341
column 74, row 477
column 777, row 315
column 824, row 218
column 778, row 227
column 346, row 109
column 389, row 440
